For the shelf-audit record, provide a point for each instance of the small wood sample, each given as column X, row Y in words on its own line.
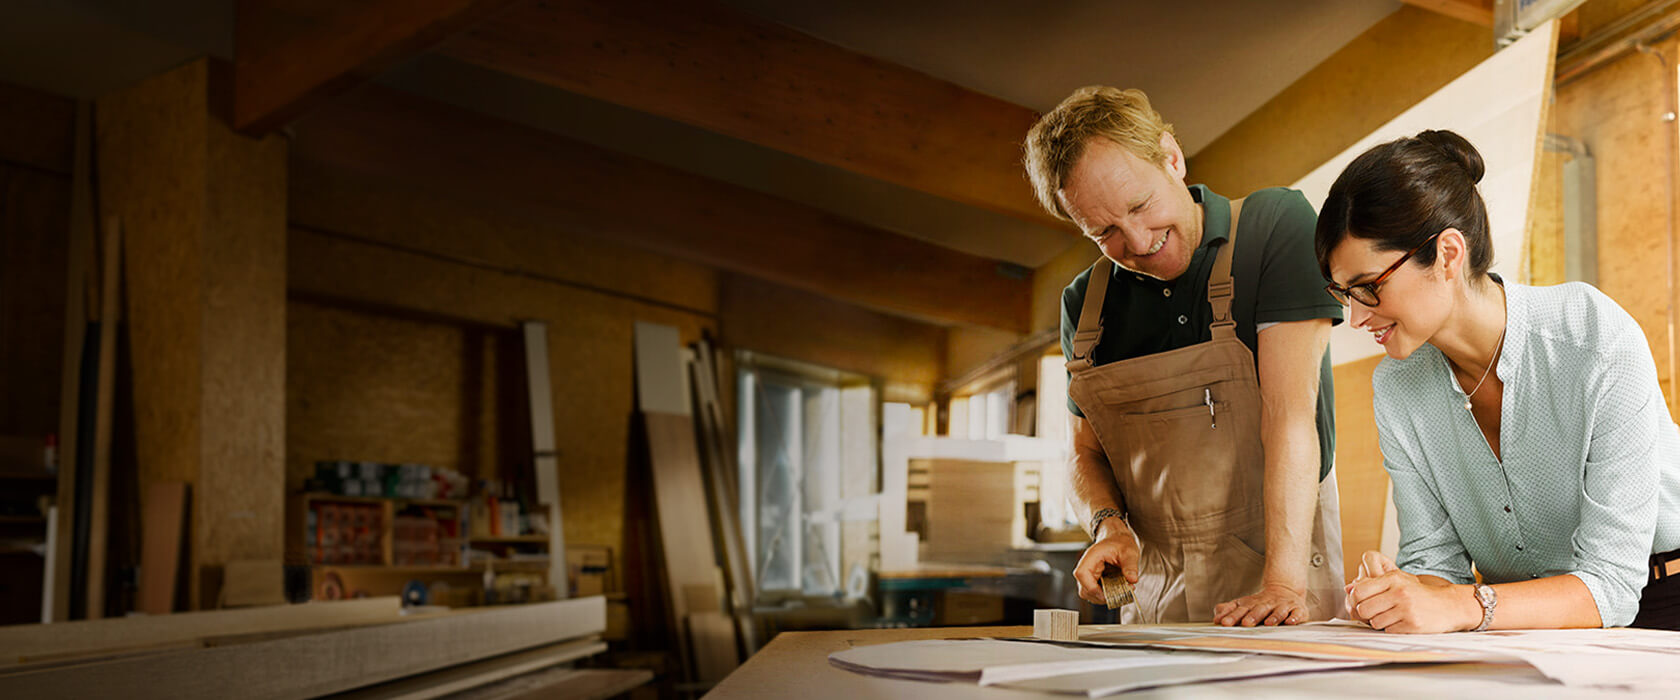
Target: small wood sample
column 1117, row 591
column 1056, row 625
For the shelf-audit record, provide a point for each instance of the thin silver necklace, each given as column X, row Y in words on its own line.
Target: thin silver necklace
column 1496, row 348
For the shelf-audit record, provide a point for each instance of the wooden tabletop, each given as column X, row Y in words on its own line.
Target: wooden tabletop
column 795, row 665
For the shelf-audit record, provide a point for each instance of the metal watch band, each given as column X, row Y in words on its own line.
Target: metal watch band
column 1488, row 598
column 1099, row 516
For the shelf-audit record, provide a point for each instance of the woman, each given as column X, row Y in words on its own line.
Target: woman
column 1523, row 428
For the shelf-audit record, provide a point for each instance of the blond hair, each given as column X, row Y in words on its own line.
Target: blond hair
column 1058, row 140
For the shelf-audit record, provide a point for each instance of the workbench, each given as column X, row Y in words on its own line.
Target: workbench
column 795, row 665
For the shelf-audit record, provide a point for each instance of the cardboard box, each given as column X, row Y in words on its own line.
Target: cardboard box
column 587, row 569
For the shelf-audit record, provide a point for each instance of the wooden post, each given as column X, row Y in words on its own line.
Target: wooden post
column 203, row 211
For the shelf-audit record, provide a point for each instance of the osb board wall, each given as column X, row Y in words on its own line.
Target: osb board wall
column 1543, row 252
column 35, row 161
column 202, row 214
column 590, row 350
column 1053, row 277
column 244, row 367
column 362, row 385
column 1360, row 478
column 1379, row 74
column 969, row 347
column 776, row 320
column 151, row 145
column 1617, row 111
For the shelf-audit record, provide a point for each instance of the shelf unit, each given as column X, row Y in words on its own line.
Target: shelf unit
column 377, row 518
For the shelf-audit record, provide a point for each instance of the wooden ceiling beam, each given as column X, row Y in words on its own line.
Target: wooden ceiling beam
column 588, row 190
column 1472, row 11
column 290, row 54
column 709, row 66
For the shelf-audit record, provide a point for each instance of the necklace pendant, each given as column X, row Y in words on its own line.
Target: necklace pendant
column 1466, row 405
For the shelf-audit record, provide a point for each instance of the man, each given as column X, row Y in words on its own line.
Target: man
column 1199, row 378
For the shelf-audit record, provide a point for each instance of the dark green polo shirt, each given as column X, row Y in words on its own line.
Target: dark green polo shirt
column 1277, row 281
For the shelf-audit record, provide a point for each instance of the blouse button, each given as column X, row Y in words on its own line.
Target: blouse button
column 1507, row 509
column 1519, row 548
column 1166, row 292
column 1317, row 560
column 1183, row 320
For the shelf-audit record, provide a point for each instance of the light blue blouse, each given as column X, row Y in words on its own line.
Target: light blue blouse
column 1589, row 483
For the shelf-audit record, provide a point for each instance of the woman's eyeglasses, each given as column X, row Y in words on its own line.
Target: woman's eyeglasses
column 1366, row 293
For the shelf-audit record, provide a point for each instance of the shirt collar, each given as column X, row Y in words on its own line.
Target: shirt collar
column 1517, row 323
column 1216, row 215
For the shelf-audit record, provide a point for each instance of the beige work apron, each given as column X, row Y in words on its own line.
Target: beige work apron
column 1182, row 433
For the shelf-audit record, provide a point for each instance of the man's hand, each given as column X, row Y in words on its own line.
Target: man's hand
column 1117, row 548
column 1392, row 600
column 1274, row 604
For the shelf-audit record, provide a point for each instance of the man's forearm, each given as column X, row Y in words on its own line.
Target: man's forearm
column 1091, row 479
column 1291, row 503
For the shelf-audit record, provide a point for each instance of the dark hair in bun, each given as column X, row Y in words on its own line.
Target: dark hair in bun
column 1400, row 193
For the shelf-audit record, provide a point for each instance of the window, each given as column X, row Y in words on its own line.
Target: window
column 807, row 445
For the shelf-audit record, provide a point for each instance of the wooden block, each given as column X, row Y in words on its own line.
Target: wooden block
column 1117, row 591
column 1056, row 625
column 162, row 525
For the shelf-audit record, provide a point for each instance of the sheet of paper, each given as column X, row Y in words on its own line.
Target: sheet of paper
column 1098, row 684
column 988, row 661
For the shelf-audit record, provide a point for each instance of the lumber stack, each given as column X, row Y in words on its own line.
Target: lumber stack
column 294, row 651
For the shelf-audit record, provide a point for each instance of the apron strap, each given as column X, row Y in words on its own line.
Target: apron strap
column 1090, row 316
column 1220, row 286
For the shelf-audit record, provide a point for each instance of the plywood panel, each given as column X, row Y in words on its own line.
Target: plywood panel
column 62, row 640
column 1359, row 468
column 310, row 665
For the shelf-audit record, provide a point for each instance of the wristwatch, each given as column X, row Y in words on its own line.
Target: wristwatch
column 1098, row 517
column 1488, row 598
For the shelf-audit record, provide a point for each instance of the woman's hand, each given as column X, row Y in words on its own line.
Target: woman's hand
column 1392, row 600
column 1274, row 604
